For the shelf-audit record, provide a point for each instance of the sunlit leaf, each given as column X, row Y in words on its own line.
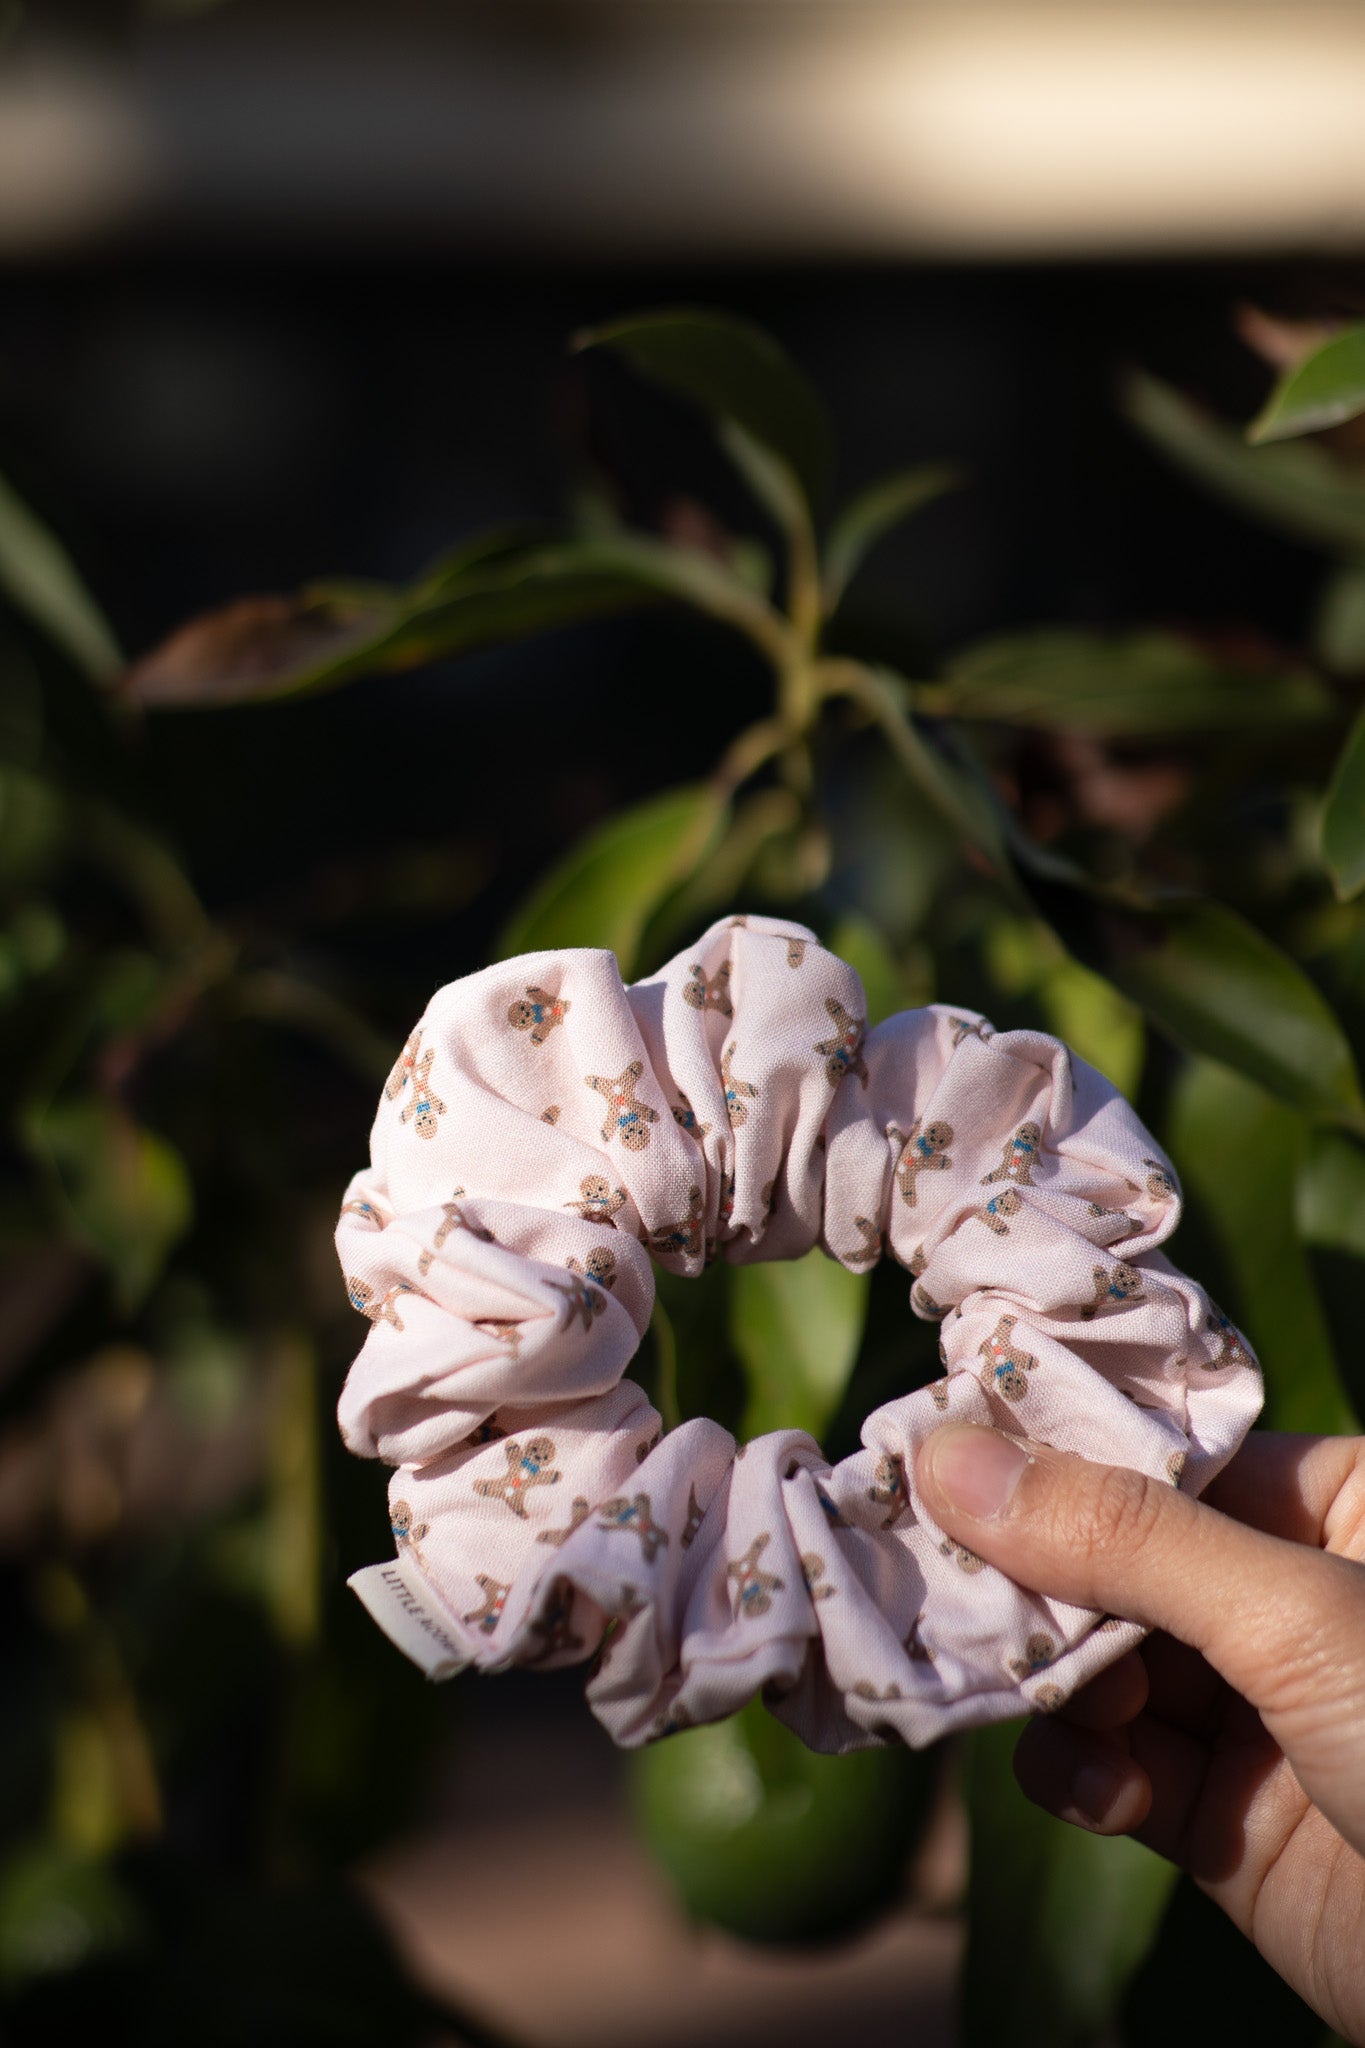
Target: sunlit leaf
column 1324, row 389
column 605, row 890
column 733, row 370
column 1116, row 684
column 873, row 514
column 1096, row 1021
column 1058, row 1919
column 127, row 1191
column 1343, row 816
column 1212, row 981
column 1240, row 1153
column 37, row 575
column 1298, row 488
column 797, row 1325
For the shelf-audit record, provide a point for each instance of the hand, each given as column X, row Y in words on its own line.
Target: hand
column 1233, row 1741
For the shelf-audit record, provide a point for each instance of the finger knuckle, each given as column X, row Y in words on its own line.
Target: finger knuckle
column 1115, row 1513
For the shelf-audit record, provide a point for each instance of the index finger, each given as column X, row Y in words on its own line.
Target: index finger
column 1289, row 1485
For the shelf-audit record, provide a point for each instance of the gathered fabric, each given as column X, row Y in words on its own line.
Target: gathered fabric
column 547, row 1133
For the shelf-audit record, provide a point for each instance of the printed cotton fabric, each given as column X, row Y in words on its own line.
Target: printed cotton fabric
column 547, row 1132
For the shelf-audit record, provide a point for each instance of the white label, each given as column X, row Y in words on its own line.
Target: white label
column 405, row 1610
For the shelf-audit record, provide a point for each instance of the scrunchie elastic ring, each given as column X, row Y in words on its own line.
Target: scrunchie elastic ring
column 547, row 1131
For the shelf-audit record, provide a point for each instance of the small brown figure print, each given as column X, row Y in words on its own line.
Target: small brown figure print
column 923, row 1303
column 919, row 1259
column 403, row 1066
column 767, row 1195
column 916, row 1649
column 1006, row 1203
column 1131, row 1225
column 526, row 1468
column 1113, row 1285
column 965, row 1560
column 926, row 1151
column 813, row 1572
column 1007, row 1364
column 1049, row 1699
column 671, row 1722
column 636, row 1517
column 754, row 1588
column 685, row 1238
column 739, row 924
column 939, row 1393
column 864, row 1689
column 685, row 1117
column 843, row 1054
column 552, row 1114
column 872, row 1246
column 554, row 1627
column 489, row 1615
column 738, row 1094
column 1231, row 1349
column 452, row 1218
column 369, row 1212
column 651, row 1443
column 796, row 952
column 579, row 1510
column 627, row 1117
column 710, row 992
column 1019, row 1157
column 424, row 1105
column 600, row 1267
column 696, row 1515
column 538, row 1012
column 963, row 1027
column 582, row 1298
column 1039, row 1652
column 1175, row 1467
column 505, row 1333
column 362, row 1296
column 407, row 1534
column 889, row 1488
column 600, row 1202
column 1160, row 1185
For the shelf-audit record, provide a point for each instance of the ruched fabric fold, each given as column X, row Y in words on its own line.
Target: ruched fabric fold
column 548, row 1132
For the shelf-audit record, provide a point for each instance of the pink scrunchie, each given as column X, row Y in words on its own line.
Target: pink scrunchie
column 547, row 1131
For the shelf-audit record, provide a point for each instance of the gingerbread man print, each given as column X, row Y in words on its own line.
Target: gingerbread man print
column 813, row 1572
column 582, row 1298
column 600, row 1267
column 362, row 1296
column 489, row 1615
column 627, row 1117
column 696, row 1515
column 538, row 1012
column 452, row 1218
column 579, row 1510
column 754, row 1587
column 599, row 1201
column 738, row 1094
column 424, row 1105
column 407, row 1534
column 683, row 1239
column 710, row 992
column 889, row 1488
column 926, row 1151
column 1039, row 1652
column 995, row 1212
column 526, row 1468
column 1113, row 1286
column 635, row 1517
column 685, row 1117
column 1231, row 1349
column 843, row 1053
column 1019, row 1157
column 1007, row 1364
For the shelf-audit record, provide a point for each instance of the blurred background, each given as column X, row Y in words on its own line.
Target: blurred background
column 286, row 294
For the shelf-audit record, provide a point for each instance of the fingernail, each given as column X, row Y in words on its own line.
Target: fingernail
column 976, row 1470
column 1094, row 1788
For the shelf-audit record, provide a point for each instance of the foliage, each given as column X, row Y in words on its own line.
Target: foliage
column 1149, row 840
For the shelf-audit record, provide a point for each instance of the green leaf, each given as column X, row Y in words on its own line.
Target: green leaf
column 276, row 647
column 1329, row 1203
column 605, row 890
column 1339, row 627
column 1096, row 1021
column 59, row 1910
column 1113, row 684
column 1298, row 488
column 126, row 1189
column 1211, row 980
column 1058, row 1919
column 873, row 514
column 733, row 370
column 39, row 577
column 1343, row 817
column 796, row 1325
column 1240, row 1153
column 1326, row 388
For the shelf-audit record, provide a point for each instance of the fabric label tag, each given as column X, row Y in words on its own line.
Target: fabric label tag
column 405, row 1611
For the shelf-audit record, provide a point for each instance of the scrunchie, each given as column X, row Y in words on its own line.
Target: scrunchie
column 547, row 1132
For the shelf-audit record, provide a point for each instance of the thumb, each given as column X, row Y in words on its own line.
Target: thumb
column 1282, row 1622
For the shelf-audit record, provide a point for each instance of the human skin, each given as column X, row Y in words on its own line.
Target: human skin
column 1233, row 1741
